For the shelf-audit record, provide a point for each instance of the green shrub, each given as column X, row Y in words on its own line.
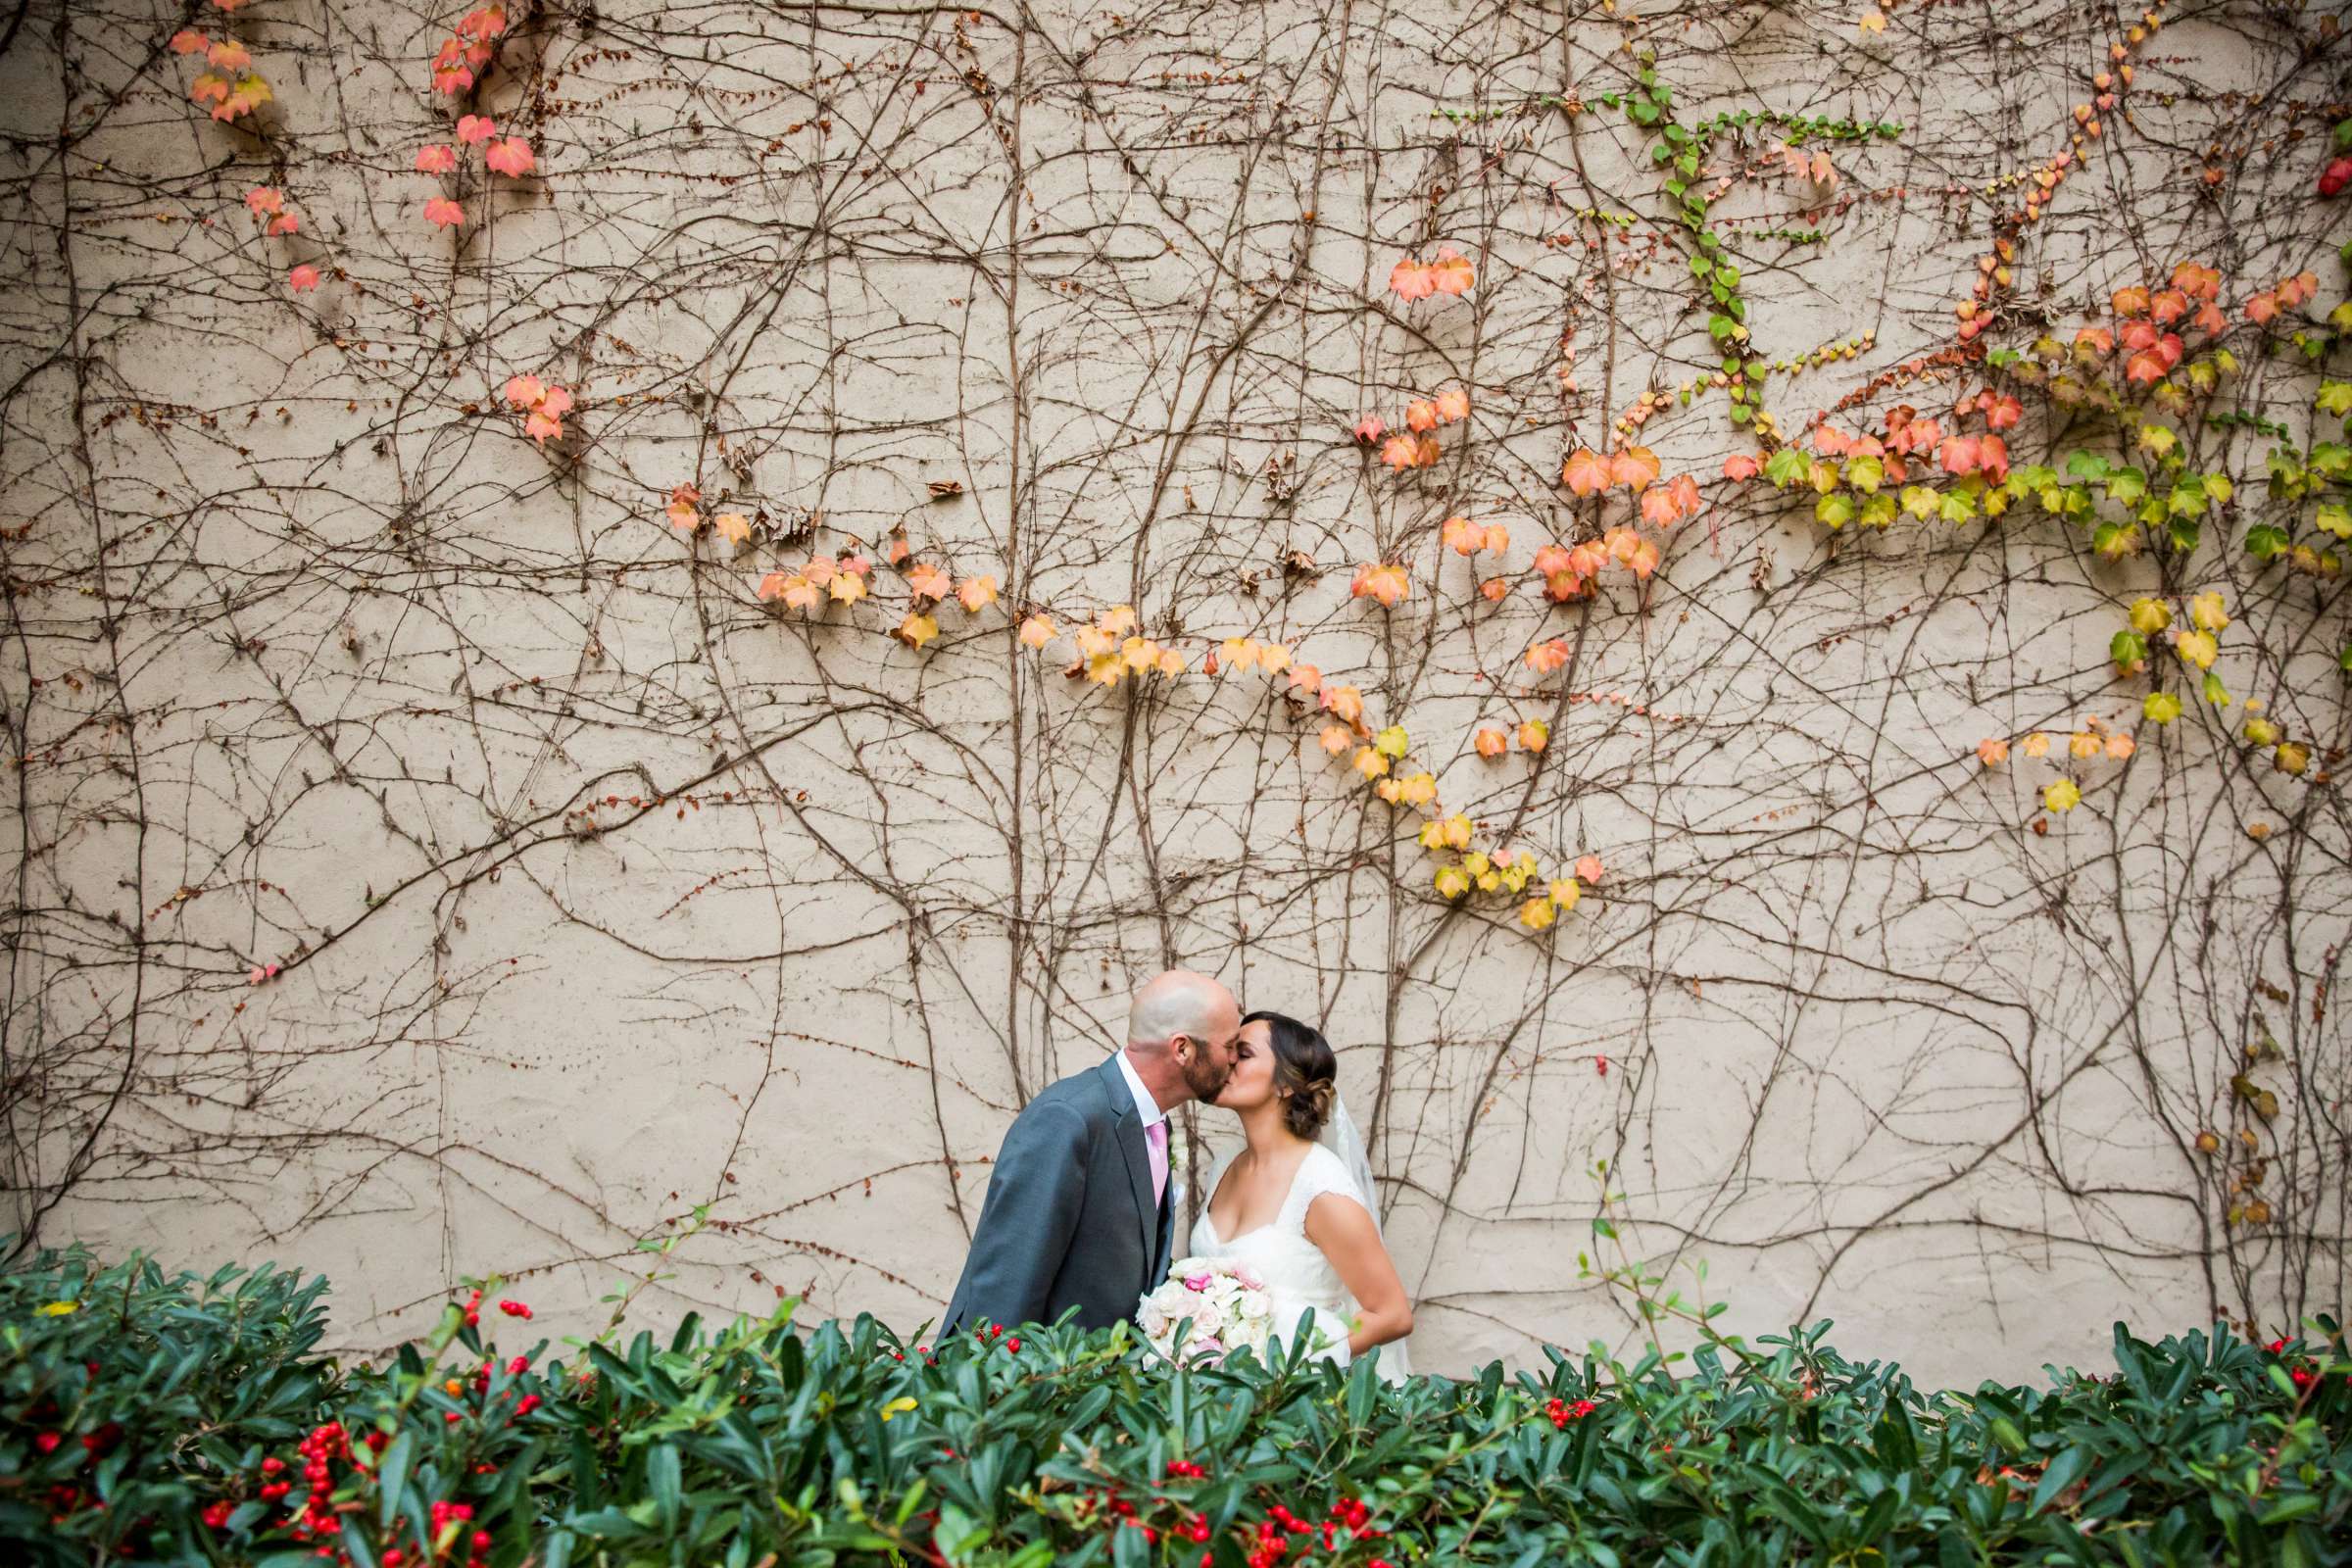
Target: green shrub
column 186, row 1420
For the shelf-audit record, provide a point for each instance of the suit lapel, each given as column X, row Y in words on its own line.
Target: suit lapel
column 1139, row 1162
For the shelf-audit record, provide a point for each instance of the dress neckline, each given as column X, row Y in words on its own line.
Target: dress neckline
column 1207, row 1209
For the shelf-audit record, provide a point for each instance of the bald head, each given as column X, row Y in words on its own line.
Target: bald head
column 1181, row 1033
column 1181, row 1002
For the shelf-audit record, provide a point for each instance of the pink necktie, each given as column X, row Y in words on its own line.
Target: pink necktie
column 1156, row 1139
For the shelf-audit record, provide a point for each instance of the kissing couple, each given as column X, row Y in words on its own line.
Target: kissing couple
column 1078, row 1213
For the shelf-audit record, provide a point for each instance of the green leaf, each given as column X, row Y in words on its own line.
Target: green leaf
column 661, row 1476
column 2061, row 1473
column 392, row 1474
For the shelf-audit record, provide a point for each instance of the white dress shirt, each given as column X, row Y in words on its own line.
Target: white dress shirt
column 1146, row 1109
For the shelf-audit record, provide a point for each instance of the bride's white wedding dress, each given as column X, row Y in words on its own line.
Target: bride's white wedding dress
column 1295, row 1272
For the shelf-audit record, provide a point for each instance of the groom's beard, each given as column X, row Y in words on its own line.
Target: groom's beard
column 1205, row 1078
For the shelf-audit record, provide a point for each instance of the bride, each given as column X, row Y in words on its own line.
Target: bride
column 1300, row 1211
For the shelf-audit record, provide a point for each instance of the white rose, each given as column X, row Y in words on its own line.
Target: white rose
column 1252, row 1307
column 1207, row 1319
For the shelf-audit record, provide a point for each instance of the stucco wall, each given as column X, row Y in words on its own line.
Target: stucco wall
column 603, row 888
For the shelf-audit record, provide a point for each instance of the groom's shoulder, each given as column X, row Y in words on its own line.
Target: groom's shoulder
column 1081, row 1092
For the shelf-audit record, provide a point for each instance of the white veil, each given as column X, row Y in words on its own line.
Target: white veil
column 1341, row 1139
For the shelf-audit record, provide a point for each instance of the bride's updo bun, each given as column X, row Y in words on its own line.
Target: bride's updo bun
column 1305, row 1072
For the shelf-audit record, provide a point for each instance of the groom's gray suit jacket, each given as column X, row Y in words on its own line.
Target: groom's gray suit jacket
column 1069, row 1218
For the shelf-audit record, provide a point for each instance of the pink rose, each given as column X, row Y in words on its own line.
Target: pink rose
column 1198, row 1281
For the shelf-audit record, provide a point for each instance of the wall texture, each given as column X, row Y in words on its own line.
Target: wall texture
column 428, row 857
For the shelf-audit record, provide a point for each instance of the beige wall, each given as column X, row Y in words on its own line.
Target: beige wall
column 336, row 669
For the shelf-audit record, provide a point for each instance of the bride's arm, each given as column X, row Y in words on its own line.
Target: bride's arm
column 1344, row 1230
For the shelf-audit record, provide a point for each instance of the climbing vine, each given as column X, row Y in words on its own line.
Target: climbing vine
column 617, row 611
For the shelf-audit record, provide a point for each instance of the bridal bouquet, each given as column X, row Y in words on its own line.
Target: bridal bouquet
column 1226, row 1302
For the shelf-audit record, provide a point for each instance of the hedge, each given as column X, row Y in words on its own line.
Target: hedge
column 174, row 1419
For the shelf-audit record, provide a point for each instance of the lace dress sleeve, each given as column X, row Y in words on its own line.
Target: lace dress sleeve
column 1323, row 1172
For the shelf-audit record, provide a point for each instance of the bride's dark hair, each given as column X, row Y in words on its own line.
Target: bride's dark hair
column 1305, row 1072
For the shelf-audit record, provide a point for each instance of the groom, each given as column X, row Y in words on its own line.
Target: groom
column 1077, row 1212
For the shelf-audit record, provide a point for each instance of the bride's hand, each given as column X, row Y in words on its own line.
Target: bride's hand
column 1344, row 1230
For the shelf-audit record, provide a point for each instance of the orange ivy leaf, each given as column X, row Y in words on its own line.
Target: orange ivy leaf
column 1385, row 582
column 1451, row 273
column 1411, row 281
column 1585, row 473
column 928, row 581
column 1546, row 656
column 1633, row 468
column 511, row 157
column 974, row 593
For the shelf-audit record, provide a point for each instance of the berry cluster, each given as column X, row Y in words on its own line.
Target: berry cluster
column 1272, row 1539
column 1562, row 1412
column 2301, row 1369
